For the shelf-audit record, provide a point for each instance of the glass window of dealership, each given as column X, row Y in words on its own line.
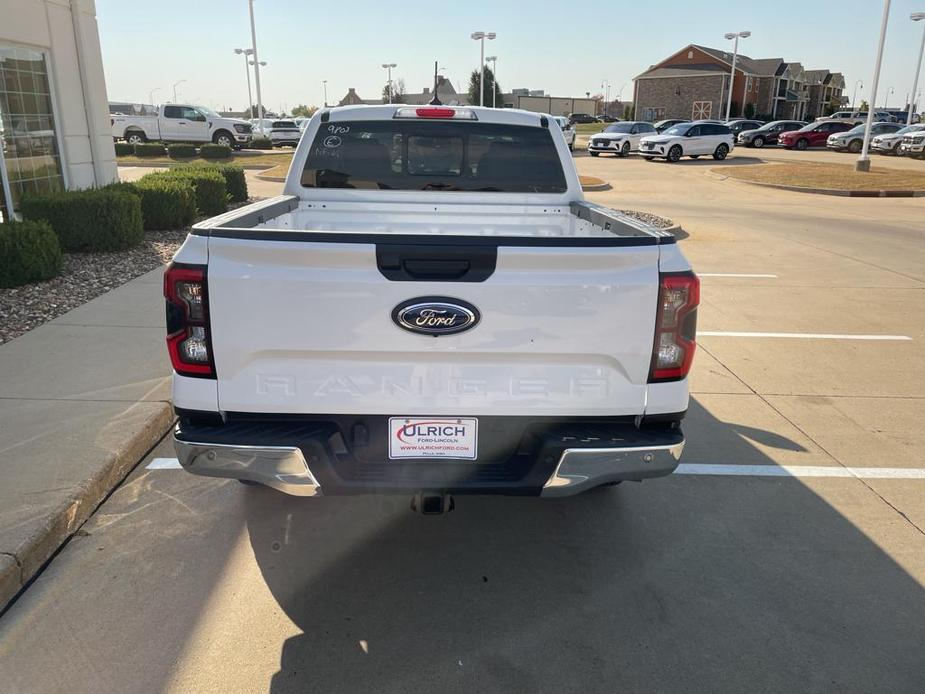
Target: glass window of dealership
column 29, row 148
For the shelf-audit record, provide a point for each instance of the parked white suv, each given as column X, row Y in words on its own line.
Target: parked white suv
column 620, row 138
column 887, row 143
column 689, row 140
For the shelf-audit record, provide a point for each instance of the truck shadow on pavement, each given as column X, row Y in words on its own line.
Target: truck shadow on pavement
column 682, row 584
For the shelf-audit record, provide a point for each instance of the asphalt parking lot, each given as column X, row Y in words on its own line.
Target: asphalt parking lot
column 810, row 359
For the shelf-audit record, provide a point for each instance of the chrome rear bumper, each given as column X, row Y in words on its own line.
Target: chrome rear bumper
column 580, row 469
column 284, row 467
column 280, row 467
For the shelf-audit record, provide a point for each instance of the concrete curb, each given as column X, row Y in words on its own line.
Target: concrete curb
column 161, row 164
column 833, row 191
column 30, row 556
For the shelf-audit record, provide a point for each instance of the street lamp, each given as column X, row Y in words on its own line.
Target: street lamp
column 256, row 62
column 493, row 59
column 324, row 86
column 250, row 99
column 863, row 162
column 889, row 92
column 916, row 17
column 388, row 85
column 151, row 94
column 481, row 36
column 605, row 85
column 735, row 54
column 175, row 90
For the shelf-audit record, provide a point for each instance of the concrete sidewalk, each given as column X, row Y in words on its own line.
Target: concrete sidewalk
column 82, row 398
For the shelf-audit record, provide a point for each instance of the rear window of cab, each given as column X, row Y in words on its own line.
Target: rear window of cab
column 427, row 155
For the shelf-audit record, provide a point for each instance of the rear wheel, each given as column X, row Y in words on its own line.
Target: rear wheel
column 802, row 144
column 758, row 142
column 625, row 150
column 722, row 149
column 135, row 137
column 223, row 137
column 855, row 146
column 674, row 154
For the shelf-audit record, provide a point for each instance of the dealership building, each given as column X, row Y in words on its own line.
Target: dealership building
column 55, row 131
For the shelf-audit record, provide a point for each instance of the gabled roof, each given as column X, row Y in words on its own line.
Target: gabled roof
column 683, row 71
column 817, row 76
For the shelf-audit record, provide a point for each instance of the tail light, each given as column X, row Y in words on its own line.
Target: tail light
column 675, row 326
column 436, row 112
column 188, row 340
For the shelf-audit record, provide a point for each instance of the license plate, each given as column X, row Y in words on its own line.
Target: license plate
column 433, row 437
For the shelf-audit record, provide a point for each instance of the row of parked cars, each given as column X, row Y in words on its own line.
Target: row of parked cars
column 672, row 139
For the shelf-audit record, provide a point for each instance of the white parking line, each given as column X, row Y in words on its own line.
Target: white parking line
column 803, row 336
column 802, row 471
column 897, row 473
column 734, row 274
column 164, row 464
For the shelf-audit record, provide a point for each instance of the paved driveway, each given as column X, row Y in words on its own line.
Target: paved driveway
column 745, row 581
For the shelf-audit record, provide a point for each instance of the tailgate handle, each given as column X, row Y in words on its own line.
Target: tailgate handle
column 436, row 263
column 436, row 269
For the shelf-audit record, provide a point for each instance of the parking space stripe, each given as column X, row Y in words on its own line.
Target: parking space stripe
column 734, row 274
column 730, row 470
column 802, row 471
column 164, row 464
column 803, row 336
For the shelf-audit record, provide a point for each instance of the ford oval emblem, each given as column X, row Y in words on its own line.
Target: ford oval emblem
column 435, row 315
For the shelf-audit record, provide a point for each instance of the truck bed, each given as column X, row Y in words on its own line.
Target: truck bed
column 579, row 224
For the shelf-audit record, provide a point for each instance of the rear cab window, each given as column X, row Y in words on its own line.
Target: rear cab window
column 427, row 155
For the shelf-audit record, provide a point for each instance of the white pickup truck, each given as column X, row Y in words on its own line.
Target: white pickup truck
column 183, row 123
column 431, row 308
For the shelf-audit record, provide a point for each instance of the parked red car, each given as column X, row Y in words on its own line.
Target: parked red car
column 814, row 134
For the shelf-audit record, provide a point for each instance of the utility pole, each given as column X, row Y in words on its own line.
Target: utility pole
column 250, row 4
column 863, row 162
column 735, row 54
column 916, row 17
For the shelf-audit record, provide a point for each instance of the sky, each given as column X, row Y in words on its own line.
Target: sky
column 563, row 48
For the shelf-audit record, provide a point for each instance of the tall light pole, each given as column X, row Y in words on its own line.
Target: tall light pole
column 250, row 99
column 493, row 59
column 151, row 94
column 854, row 97
column 481, row 36
column 735, row 54
column 388, row 85
column 256, row 62
column 863, row 162
column 175, row 89
column 916, row 17
column 889, row 92
column 324, row 86
column 605, row 85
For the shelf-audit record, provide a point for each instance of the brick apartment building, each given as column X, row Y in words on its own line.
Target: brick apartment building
column 694, row 83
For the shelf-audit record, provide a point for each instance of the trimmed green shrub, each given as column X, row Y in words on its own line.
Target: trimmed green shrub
column 261, row 142
column 149, row 149
column 29, row 252
column 235, row 182
column 180, row 150
column 208, row 184
column 215, row 152
column 165, row 204
column 124, row 149
column 89, row 220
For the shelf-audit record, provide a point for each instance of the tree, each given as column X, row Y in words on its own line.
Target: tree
column 749, row 110
column 629, row 111
column 304, row 111
column 490, row 87
column 398, row 91
column 864, row 105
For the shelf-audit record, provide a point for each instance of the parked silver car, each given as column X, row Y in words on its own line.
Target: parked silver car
column 853, row 140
